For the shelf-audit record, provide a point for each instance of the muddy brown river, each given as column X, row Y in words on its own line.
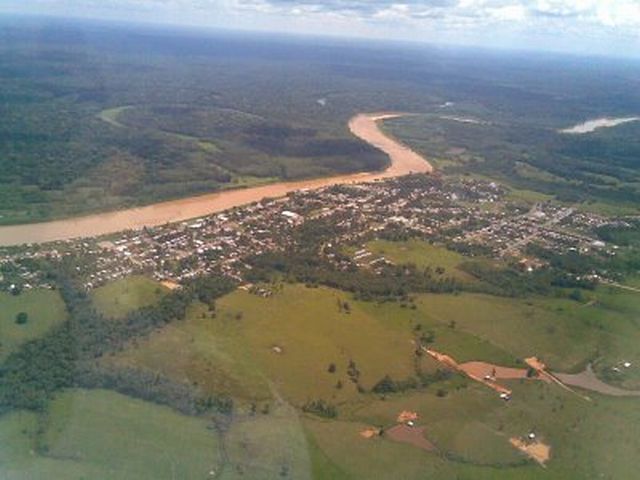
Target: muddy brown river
column 364, row 126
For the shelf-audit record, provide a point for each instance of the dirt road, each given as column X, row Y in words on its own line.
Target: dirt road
column 363, row 126
column 588, row 380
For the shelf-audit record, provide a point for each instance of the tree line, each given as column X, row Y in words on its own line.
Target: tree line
column 67, row 355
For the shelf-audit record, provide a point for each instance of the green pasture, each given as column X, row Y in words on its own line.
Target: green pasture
column 202, row 350
column 44, row 309
column 116, row 299
column 471, row 428
column 101, row 434
column 422, row 254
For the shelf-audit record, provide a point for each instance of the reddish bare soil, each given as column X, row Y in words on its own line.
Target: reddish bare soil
column 483, row 369
column 450, row 362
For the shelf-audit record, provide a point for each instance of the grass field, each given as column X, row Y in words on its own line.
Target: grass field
column 311, row 332
column 233, row 351
column 105, row 435
column 470, row 427
column 267, row 446
column 100, row 434
column 44, row 309
column 623, row 311
column 422, row 254
column 205, row 351
column 292, row 337
column 564, row 334
column 236, row 351
column 118, row 298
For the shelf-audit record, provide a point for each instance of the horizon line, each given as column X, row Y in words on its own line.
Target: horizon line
column 168, row 26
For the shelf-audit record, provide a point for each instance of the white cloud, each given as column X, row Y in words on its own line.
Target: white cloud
column 588, row 25
column 510, row 13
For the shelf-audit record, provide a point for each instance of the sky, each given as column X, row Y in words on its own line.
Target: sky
column 602, row 27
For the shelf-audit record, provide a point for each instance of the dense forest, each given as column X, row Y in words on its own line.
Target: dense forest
column 98, row 116
column 601, row 166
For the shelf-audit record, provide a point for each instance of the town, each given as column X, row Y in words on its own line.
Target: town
column 472, row 216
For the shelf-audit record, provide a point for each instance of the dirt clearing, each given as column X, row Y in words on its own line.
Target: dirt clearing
column 536, row 450
column 470, row 372
column 170, row 284
column 488, row 370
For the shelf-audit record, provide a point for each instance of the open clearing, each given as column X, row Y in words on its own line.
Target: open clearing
column 422, row 254
column 536, row 449
column 44, row 308
column 116, row 299
column 110, row 115
column 483, row 369
column 364, row 126
column 548, row 328
column 290, row 338
column 472, row 428
column 203, row 351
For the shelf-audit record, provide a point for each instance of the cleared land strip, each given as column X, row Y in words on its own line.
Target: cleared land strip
column 489, row 374
column 364, row 126
column 588, row 380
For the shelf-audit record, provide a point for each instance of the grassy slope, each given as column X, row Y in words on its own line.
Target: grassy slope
column 588, row 439
column 312, row 332
column 44, row 308
column 233, row 351
column 621, row 346
column 268, row 446
column 204, row 351
column 100, row 434
column 306, row 323
column 234, row 348
column 551, row 329
column 118, row 298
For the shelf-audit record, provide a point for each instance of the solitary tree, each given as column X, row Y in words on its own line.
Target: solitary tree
column 21, row 318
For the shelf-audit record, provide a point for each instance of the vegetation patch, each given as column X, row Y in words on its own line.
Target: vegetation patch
column 204, row 351
column 27, row 316
column 117, row 299
column 101, row 434
column 423, row 255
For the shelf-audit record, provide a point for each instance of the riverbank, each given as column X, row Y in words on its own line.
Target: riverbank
column 403, row 161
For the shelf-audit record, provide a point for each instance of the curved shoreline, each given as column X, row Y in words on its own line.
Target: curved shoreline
column 364, row 126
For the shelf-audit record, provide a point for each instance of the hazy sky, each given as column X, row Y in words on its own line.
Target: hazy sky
column 583, row 26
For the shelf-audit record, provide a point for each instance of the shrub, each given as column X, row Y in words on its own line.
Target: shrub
column 320, row 408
